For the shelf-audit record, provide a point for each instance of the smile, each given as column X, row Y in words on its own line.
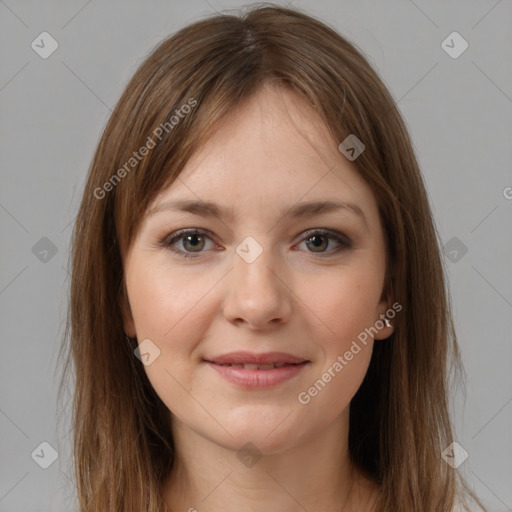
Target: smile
column 255, row 376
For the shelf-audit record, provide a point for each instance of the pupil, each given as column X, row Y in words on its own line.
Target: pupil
column 195, row 239
column 317, row 240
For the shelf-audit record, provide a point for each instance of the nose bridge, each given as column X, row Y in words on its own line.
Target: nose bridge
column 253, row 263
column 256, row 293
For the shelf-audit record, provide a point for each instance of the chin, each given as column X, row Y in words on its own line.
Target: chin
column 267, row 436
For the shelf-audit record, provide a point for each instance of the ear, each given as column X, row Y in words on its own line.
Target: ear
column 379, row 319
column 124, row 304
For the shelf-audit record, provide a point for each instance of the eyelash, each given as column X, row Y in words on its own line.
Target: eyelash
column 168, row 242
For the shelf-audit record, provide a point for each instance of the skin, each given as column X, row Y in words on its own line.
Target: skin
column 270, row 154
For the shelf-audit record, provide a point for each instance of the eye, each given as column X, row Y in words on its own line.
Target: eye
column 192, row 242
column 318, row 241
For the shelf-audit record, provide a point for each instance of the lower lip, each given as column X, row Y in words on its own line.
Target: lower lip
column 257, row 379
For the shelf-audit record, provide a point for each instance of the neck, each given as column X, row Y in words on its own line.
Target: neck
column 315, row 475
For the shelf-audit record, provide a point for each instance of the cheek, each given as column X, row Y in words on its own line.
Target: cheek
column 336, row 383
column 171, row 307
column 167, row 303
column 345, row 303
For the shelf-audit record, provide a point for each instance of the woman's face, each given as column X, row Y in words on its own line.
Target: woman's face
column 259, row 279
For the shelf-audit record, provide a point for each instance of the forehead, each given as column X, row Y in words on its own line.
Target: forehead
column 274, row 149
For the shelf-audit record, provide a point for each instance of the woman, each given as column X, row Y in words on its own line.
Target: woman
column 258, row 313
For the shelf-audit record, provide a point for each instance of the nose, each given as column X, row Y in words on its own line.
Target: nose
column 257, row 295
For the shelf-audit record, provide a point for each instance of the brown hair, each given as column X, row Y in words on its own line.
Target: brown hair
column 399, row 419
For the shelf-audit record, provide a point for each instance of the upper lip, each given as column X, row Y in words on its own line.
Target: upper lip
column 254, row 358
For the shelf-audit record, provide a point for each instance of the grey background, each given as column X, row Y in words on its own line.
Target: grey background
column 53, row 111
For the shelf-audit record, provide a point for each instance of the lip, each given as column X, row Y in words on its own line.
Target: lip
column 254, row 358
column 257, row 378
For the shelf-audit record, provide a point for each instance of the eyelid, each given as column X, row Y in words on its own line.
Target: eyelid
column 330, row 233
column 168, row 241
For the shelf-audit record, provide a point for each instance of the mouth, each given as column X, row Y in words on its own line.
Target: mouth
column 251, row 366
column 250, row 370
column 262, row 360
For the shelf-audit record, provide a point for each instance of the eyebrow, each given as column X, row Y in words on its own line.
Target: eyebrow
column 299, row 210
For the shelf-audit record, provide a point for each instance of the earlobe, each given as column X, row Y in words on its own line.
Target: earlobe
column 385, row 327
column 383, row 323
